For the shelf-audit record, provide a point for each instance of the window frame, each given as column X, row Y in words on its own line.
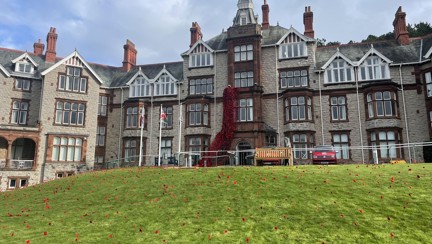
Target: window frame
column 428, row 83
column 339, row 108
column 25, row 64
column 19, row 180
column 342, row 146
column 100, row 136
column 19, row 84
column 70, row 149
column 244, row 79
column 17, row 113
column 205, row 83
column 103, row 105
column 306, row 107
column 335, row 71
column 132, row 117
column 131, row 149
column 245, row 110
column 71, row 81
column 243, row 53
column 169, row 111
column 376, row 140
column 198, row 117
column 202, row 146
column 285, row 78
column 60, row 114
column 373, row 71
column 376, row 101
column 305, row 142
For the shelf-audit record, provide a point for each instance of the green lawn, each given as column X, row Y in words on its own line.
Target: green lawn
column 306, row 204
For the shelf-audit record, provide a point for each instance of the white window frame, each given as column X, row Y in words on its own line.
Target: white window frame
column 72, row 81
column 339, row 71
column 24, row 67
column 102, row 105
column 67, row 149
column 428, row 78
column 245, row 110
column 18, row 182
column 201, row 86
column 165, row 86
column 141, row 87
column 244, row 79
column 374, row 68
column 243, row 53
column 203, row 59
column 293, row 50
column 341, row 143
column 294, row 78
column 19, row 112
column 338, row 106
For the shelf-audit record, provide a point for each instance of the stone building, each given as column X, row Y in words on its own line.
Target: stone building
column 372, row 101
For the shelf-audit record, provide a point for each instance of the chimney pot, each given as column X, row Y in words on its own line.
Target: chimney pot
column 130, row 54
column 400, row 28
column 265, row 12
column 308, row 22
column 38, row 48
column 50, row 54
column 196, row 33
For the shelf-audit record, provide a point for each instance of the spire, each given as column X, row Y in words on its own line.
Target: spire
column 245, row 13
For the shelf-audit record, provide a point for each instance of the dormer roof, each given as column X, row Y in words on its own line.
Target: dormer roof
column 25, row 57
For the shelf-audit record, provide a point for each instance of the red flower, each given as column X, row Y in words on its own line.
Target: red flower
column 157, row 232
column 248, row 239
column 392, row 179
column 235, row 182
column 45, row 233
column 392, row 235
column 244, row 219
column 27, row 241
column 110, row 236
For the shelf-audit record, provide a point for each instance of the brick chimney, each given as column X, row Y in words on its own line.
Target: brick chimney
column 129, row 55
column 265, row 13
column 50, row 54
column 38, row 48
column 308, row 22
column 400, row 29
column 196, row 34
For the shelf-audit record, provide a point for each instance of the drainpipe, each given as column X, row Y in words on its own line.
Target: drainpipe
column 42, row 174
column 321, row 109
column 405, row 112
column 214, row 97
column 121, row 128
column 359, row 114
column 277, row 99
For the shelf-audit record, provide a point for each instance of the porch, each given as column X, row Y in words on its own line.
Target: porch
column 17, row 154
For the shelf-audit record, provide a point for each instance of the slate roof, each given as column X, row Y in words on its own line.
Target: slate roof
column 391, row 49
column 7, row 55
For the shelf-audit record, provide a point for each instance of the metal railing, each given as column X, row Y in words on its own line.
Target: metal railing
column 21, row 164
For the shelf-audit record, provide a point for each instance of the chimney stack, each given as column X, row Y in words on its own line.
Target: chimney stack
column 308, row 22
column 129, row 55
column 196, row 34
column 38, row 48
column 265, row 12
column 50, row 54
column 400, row 29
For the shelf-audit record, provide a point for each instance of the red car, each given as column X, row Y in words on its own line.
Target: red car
column 324, row 155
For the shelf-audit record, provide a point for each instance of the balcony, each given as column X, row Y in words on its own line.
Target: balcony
column 21, row 164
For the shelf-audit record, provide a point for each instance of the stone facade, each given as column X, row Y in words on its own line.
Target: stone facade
column 387, row 106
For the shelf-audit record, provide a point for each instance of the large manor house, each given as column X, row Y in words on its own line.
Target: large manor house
column 63, row 115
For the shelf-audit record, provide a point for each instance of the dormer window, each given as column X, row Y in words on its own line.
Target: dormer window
column 374, row 68
column 140, row 88
column 165, row 86
column 24, row 67
column 292, row 47
column 201, row 56
column 339, row 71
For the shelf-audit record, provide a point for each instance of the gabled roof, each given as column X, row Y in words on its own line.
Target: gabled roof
column 337, row 54
column 164, row 71
column 25, row 56
column 196, row 44
column 374, row 51
column 139, row 73
column 4, row 71
column 293, row 30
column 73, row 57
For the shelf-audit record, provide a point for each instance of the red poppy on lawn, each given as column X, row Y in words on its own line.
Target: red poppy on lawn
column 244, row 219
column 392, row 235
column 45, row 233
column 110, row 236
column 157, row 232
column 27, row 241
column 248, row 239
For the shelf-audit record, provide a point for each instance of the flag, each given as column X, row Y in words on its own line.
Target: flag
column 142, row 118
column 163, row 116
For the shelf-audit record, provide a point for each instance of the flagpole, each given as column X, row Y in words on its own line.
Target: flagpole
column 180, row 132
column 141, row 135
column 160, row 135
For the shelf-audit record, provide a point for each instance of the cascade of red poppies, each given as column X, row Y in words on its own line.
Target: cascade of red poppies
column 223, row 139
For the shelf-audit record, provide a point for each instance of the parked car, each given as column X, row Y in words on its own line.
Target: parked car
column 324, row 154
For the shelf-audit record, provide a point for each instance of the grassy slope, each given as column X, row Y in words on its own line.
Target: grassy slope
column 313, row 204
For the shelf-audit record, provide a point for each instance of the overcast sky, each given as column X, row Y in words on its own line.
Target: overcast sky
column 98, row 29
